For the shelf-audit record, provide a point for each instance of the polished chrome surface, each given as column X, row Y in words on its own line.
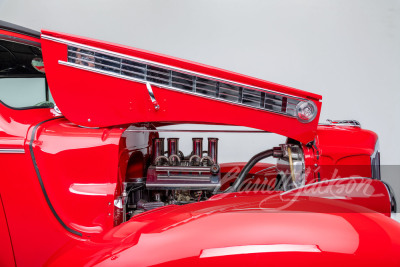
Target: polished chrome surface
column 183, row 168
column 152, row 97
column 376, row 162
column 174, row 186
column 187, row 178
column 12, row 150
column 124, row 198
column 173, row 150
column 292, row 166
column 213, row 149
column 353, row 123
column 197, row 151
column 173, row 146
column 58, row 40
column 306, row 111
column 159, row 158
column 158, row 149
column 392, row 198
column 196, row 131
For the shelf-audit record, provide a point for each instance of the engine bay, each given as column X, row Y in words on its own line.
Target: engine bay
column 172, row 176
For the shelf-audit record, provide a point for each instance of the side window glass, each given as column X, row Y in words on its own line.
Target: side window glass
column 23, row 92
column 22, row 79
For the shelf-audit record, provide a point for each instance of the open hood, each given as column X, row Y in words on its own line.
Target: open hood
column 99, row 84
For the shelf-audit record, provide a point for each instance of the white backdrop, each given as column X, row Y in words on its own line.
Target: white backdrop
column 347, row 51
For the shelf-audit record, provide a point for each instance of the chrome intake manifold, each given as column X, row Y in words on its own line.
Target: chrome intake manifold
column 172, row 170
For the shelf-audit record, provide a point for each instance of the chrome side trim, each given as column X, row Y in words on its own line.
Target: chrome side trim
column 376, row 162
column 353, row 123
column 183, row 169
column 77, row 66
column 392, row 197
column 12, row 150
column 111, row 53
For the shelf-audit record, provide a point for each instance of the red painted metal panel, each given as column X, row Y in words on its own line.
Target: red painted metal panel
column 79, row 168
column 82, row 167
column 13, row 36
column 93, row 99
column 7, row 254
column 262, row 177
column 344, row 151
column 34, row 231
column 248, row 229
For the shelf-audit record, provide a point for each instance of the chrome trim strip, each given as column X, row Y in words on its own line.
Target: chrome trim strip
column 182, row 185
column 329, row 122
column 376, row 162
column 12, row 150
column 187, row 169
column 77, row 66
column 183, row 178
column 196, row 131
column 111, row 53
column 392, row 197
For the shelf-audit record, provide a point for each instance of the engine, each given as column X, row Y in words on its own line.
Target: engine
column 173, row 177
column 158, row 173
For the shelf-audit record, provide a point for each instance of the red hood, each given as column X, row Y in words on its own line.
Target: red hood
column 100, row 84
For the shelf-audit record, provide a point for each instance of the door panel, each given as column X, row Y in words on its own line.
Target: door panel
column 7, row 254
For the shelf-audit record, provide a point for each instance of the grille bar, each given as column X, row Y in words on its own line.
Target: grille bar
column 103, row 62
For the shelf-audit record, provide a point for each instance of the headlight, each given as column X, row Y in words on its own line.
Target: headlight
column 306, row 111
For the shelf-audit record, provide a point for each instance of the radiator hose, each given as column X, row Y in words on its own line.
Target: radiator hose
column 246, row 169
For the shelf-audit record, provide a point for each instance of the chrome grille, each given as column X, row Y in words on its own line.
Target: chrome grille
column 180, row 80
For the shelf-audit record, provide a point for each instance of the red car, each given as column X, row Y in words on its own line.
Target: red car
column 92, row 181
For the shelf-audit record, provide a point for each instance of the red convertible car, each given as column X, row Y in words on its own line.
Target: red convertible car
column 92, row 180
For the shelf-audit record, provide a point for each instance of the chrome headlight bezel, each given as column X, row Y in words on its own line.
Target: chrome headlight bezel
column 392, row 197
column 376, row 162
column 306, row 111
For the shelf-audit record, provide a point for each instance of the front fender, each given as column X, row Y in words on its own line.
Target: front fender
column 246, row 229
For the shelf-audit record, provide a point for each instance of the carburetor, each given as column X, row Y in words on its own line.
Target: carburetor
column 173, row 170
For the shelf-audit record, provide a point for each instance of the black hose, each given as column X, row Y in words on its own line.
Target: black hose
column 246, row 169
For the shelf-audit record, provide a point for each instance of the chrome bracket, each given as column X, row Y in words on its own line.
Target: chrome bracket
column 152, row 98
column 353, row 123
